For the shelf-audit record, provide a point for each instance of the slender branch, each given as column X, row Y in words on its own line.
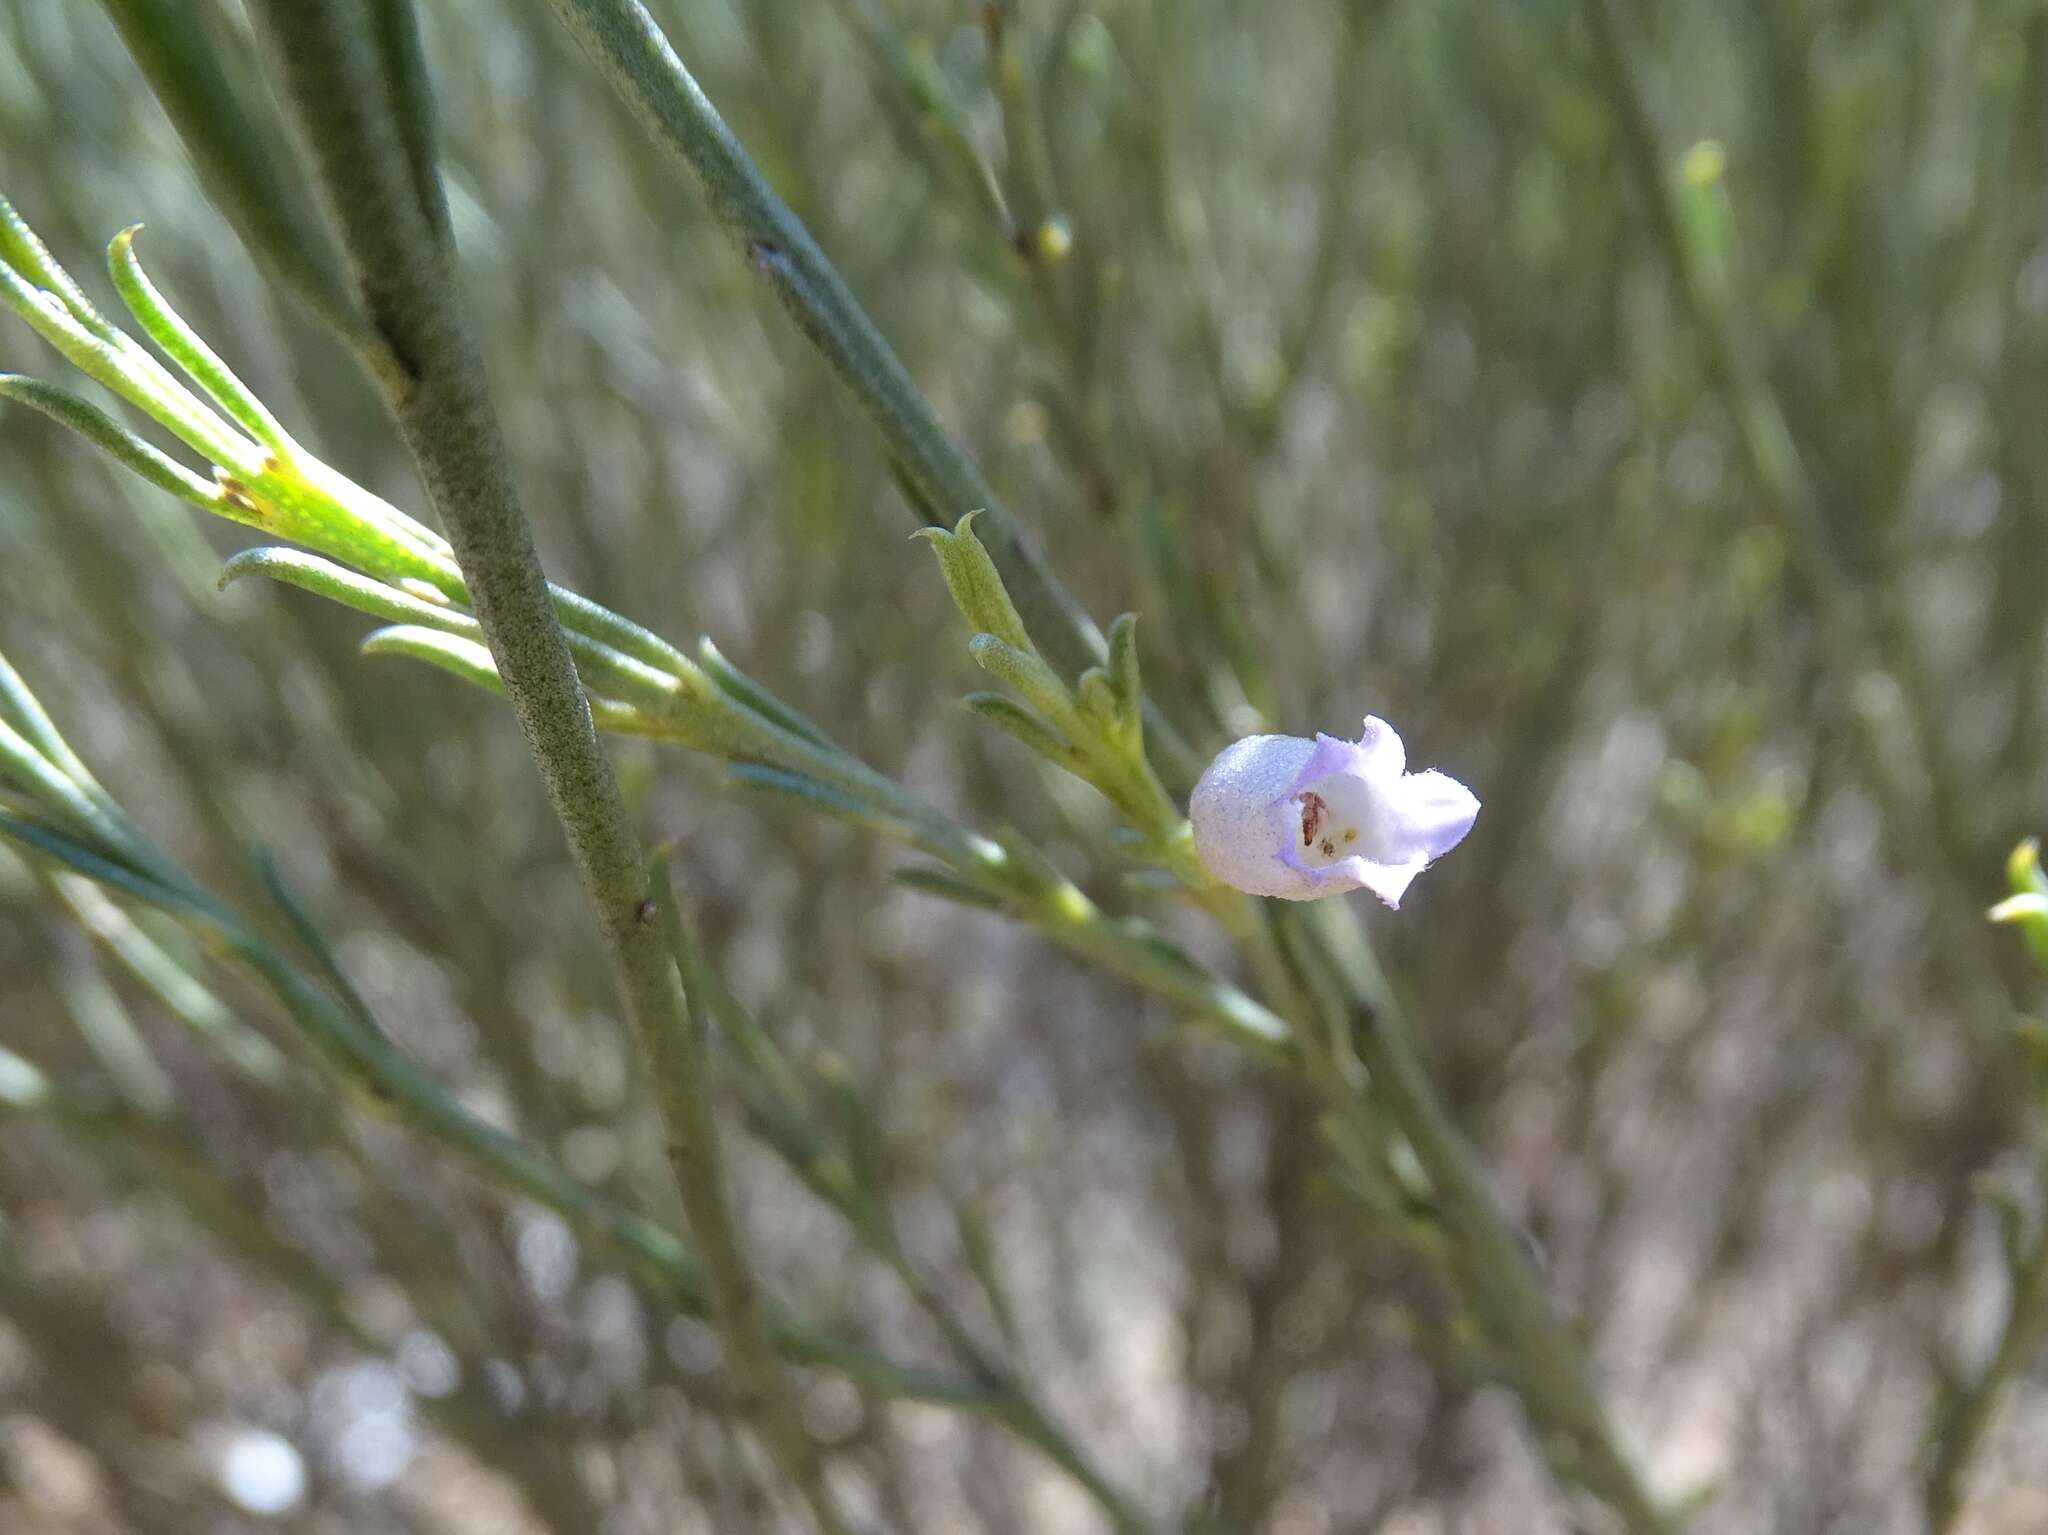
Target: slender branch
column 635, row 57
column 349, row 75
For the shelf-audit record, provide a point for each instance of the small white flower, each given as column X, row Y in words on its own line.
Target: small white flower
column 1301, row 819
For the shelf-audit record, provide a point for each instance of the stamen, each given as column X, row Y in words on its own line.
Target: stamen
column 1312, row 812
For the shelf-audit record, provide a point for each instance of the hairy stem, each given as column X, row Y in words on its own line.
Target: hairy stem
column 350, row 75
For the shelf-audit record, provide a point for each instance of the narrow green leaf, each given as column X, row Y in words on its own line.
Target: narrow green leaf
column 172, row 982
column 581, row 616
column 56, row 794
column 934, row 880
column 25, row 711
column 109, row 1032
column 1099, row 701
column 1152, row 884
column 307, row 931
column 324, row 578
column 826, row 799
column 183, row 345
column 26, row 254
column 2028, row 911
column 1006, row 714
column 462, row 658
column 976, row 585
column 1223, row 1001
column 1705, row 220
column 471, row 661
column 120, row 366
column 115, row 440
column 865, row 1159
column 24, row 1089
column 241, row 149
column 1030, row 870
column 96, row 864
column 737, row 685
column 2023, row 869
column 772, row 1090
column 978, row 1247
column 635, row 695
column 1123, row 675
column 1023, row 670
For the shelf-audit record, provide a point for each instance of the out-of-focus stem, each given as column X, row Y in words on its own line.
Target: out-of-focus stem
column 1853, row 625
column 375, row 1068
column 1766, row 439
column 165, row 1159
column 1964, row 1427
column 349, row 70
column 1499, row 1283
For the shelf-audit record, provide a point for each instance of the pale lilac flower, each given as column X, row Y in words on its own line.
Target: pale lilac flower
column 1300, row 819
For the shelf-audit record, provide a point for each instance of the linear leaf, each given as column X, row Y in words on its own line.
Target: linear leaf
column 738, row 685
column 1006, row 714
column 324, row 578
column 944, row 883
column 184, row 346
column 451, row 653
column 115, row 440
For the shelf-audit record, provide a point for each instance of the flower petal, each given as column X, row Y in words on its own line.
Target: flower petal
column 1431, row 812
column 1330, row 755
column 1239, row 813
column 1390, row 881
column 1380, row 750
column 1377, row 757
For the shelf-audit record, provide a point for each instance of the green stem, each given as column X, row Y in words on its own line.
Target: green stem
column 349, row 76
column 635, row 57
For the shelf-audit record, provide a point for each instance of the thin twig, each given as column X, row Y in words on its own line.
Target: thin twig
column 636, row 59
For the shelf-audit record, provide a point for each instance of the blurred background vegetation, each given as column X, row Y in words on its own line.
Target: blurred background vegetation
column 1640, row 404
